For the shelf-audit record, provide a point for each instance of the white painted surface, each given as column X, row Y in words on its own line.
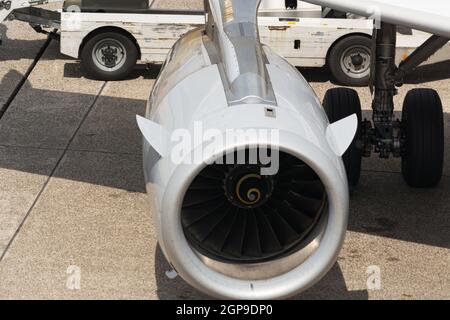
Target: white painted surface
column 198, row 96
column 157, row 33
column 431, row 16
column 341, row 134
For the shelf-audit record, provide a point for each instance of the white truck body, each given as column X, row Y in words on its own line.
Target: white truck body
column 300, row 35
column 279, row 28
column 157, row 33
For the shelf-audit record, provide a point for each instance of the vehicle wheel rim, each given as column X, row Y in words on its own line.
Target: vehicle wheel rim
column 355, row 62
column 109, row 55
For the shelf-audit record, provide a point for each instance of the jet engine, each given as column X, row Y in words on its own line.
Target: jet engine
column 249, row 187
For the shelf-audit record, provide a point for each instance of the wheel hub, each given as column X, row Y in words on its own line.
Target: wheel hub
column 109, row 55
column 355, row 62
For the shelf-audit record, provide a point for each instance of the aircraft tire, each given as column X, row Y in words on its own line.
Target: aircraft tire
column 423, row 132
column 340, row 103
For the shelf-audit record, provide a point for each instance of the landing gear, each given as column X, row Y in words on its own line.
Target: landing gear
column 340, row 103
column 423, row 131
column 384, row 137
column 418, row 138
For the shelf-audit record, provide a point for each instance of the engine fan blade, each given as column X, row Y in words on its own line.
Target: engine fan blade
column 295, row 218
column 195, row 213
column 305, row 205
column 252, row 243
column 300, row 172
column 310, row 189
column 216, row 241
column 203, row 227
column 202, row 183
column 285, row 233
column 268, row 237
column 234, row 243
column 196, row 197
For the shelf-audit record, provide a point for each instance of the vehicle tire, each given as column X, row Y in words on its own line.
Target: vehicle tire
column 349, row 61
column 109, row 56
column 423, row 133
column 340, row 103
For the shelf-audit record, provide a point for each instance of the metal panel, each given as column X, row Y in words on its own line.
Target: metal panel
column 431, row 16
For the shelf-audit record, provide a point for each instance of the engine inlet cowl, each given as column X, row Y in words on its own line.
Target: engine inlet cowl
column 233, row 213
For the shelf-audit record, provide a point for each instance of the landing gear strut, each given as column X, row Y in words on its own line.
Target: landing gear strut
column 422, row 123
column 384, row 136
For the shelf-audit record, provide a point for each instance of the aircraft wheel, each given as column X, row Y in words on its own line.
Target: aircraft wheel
column 340, row 103
column 109, row 56
column 423, row 126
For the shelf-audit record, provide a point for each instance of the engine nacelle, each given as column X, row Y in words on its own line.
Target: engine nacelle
column 251, row 194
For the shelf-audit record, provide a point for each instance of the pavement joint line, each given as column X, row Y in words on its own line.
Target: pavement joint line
column 47, row 181
column 30, row 147
column 25, row 77
column 69, row 150
column 106, row 152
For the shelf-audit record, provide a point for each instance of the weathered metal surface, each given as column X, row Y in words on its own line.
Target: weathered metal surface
column 157, row 38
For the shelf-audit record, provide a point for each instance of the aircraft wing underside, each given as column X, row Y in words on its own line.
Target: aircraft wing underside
column 431, row 16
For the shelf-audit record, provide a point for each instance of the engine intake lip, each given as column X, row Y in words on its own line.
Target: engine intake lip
column 284, row 283
column 234, row 214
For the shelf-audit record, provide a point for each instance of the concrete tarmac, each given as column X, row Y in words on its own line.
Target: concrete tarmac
column 72, row 194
